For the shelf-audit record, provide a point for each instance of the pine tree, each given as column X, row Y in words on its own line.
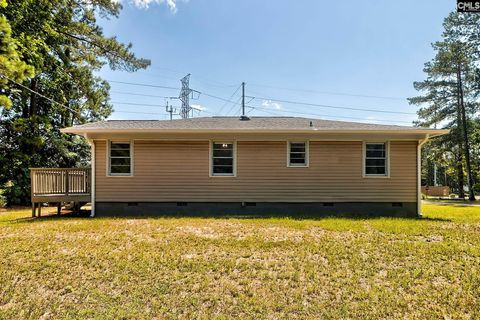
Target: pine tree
column 451, row 92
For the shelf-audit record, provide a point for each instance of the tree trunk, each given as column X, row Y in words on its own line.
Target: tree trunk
column 466, row 149
column 458, row 137
column 460, row 177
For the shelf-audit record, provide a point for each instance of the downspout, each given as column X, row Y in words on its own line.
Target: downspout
column 421, row 142
column 92, row 174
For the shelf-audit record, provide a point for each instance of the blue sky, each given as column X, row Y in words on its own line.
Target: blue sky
column 332, row 53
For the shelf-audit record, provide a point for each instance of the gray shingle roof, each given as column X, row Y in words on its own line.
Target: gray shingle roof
column 234, row 123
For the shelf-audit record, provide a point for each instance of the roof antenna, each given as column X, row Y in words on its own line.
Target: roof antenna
column 243, row 117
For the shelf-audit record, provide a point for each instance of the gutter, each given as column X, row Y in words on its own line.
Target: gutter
column 421, row 142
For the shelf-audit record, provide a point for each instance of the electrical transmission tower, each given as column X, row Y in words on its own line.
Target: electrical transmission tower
column 185, row 97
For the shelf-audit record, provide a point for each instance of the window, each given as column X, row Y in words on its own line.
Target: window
column 376, row 161
column 298, row 154
column 223, row 159
column 120, row 160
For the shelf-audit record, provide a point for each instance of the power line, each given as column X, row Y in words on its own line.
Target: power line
column 233, row 105
column 72, row 110
column 215, row 97
column 214, row 83
column 155, row 106
column 267, row 111
column 226, row 103
column 143, row 95
column 272, row 99
column 331, row 106
column 143, row 84
column 41, row 95
column 171, row 88
column 329, row 116
column 330, row 92
column 275, row 112
column 137, row 112
column 139, row 104
column 203, row 110
column 311, row 104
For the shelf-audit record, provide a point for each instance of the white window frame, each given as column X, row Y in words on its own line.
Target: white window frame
column 210, row 162
column 307, row 154
column 387, row 160
column 109, row 172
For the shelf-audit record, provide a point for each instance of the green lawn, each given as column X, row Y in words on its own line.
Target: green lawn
column 53, row 268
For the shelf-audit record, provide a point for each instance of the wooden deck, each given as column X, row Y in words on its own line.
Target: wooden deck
column 59, row 185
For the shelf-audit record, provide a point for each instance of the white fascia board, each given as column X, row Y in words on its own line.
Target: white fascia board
column 83, row 131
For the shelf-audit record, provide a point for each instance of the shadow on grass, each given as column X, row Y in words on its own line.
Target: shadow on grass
column 454, row 204
column 299, row 217
column 265, row 216
column 53, row 216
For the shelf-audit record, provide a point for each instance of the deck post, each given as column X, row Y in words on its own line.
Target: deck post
column 66, row 183
column 39, row 209
column 33, row 209
column 59, row 208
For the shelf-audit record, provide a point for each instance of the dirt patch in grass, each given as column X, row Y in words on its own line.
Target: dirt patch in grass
column 74, row 268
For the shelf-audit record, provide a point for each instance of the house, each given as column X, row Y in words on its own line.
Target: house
column 271, row 165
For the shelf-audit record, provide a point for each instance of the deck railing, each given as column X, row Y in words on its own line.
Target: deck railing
column 60, row 181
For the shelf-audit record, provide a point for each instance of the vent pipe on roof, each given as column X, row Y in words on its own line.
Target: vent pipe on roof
column 243, row 117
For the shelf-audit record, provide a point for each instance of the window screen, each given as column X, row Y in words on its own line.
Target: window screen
column 376, row 159
column 120, row 158
column 298, row 154
column 222, row 159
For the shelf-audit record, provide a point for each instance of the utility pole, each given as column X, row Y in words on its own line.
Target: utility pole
column 185, row 97
column 243, row 116
column 171, row 110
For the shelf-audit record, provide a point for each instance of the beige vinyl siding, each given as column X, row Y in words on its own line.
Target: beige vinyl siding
column 179, row 171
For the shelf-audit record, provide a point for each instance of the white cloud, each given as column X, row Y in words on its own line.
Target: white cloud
column 271, row 104
column 145, row 4
column 198, row 107
column 372, row 118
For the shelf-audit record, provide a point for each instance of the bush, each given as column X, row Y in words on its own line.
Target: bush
column 17, row 191
column 476, row 187
column 15, row 195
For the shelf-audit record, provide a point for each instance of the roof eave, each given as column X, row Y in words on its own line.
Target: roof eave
column 430, row 132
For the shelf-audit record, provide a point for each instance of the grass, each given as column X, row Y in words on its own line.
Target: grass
column 72, row 268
